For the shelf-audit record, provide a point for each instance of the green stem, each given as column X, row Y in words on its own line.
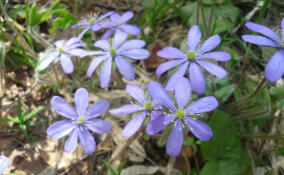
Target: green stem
column 211, row 15
column 203, row 18
column 197, row 13
column 239, row 103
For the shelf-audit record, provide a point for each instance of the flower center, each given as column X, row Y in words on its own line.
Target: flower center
column 60, row 49
column 282, row 44
column 180, row 113
column 148, row 105
column 112, row 51
column 92, row 20
column 80, row 120
column 191, row 56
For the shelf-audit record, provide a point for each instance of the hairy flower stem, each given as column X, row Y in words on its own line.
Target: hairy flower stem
column 122, row 84
column 56, row 74
column 257, row 90
column 238, row 104
column 211, row 15
column 197, row 13
column 203, row 18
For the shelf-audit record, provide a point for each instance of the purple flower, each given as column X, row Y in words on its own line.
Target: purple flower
column 117, row 49
column 194, row 57
column 179, row 114
column 145, row 107
column 63, row 50
column 4, row 162
column 82, row 120
column 274, row 69
column 95, row 23
column 119, row 23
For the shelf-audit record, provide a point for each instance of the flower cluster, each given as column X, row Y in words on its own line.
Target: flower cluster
column 114, row 51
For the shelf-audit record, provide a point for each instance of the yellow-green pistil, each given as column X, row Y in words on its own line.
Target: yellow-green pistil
column 191, row 56
column 60, row 49
column 180, row 113
column 282, row 43
column 148, row 105
column 80, row 120
column 92, row 21
column 112, row 51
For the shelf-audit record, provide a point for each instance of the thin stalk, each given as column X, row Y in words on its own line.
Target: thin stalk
column 197, row 13
column 242, row 101
column 211, row 15
column 257, row 90
column 39, row 38
column 56, row 75
column 203, row 18
column 196, row 164
column 120, row 79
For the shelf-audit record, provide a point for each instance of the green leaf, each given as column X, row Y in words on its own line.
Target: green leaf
column 235, row 57
column 43, row 15
column 112, row 171
column 19, row 109
column 34, row 112
column 148, row 4
column 225, row 92
column 59, row 23
column 224, row 136
column 277, row 91
column 14, row 120
column 263, row 98
column 210, row 168
column 210, row 2
column 123, row 165
column 64, row 14
column 33, row 15
column 33, row 123
column 27, row 14
column 17, row 10
column 55, row 5
column 225, row 167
